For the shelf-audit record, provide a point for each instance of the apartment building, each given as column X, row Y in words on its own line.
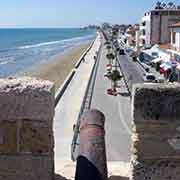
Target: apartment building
column 154, row 27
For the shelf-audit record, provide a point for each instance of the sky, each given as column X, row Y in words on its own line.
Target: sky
column 71, row 13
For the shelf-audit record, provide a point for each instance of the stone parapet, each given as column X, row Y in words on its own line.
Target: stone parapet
column 26, row 129
column 156, row 132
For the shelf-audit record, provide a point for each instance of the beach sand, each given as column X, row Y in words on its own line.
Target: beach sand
column 59, row 67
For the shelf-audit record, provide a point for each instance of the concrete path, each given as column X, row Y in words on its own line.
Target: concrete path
column 67, row 110
column 117, row 113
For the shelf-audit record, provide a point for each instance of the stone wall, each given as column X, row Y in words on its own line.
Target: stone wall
column 26, row 132
column 156, row 132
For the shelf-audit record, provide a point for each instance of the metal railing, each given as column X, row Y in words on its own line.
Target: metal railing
column 86, row 104
column 66, row 83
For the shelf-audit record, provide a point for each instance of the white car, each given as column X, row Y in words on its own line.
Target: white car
column 149, row 77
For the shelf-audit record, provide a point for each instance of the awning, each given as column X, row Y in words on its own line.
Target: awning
column 166, row 66
column 178, row 67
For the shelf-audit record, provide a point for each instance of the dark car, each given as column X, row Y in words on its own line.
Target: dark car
column 121, row 52
column 132, row 54
column 145, row 58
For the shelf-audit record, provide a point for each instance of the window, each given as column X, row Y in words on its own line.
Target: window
column 143, row 32
column 173, row 37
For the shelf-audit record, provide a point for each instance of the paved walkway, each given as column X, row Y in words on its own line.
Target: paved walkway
column 117, row 113
column 67, row 110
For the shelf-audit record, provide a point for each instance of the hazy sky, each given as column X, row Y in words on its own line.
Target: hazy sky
column 71, row 13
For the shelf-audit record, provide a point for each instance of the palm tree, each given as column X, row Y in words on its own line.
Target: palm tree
column 115, row 76
column 158, row 5
column 170, row 4
column 110, row 57
column 164, row 5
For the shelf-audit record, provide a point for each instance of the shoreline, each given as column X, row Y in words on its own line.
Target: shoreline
column 59, row 66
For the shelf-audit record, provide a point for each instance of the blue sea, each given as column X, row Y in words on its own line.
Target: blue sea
column 22, row 48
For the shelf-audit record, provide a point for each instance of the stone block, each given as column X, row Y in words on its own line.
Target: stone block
column 8, row 137
column 36, row 137
column 156, row 102
column 26, row 98
column 156, row 170
column 156, row 132
column 154, row 140
column 26, row 167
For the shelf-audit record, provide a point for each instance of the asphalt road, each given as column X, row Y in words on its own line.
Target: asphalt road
column 132, row 71
column 117, row 112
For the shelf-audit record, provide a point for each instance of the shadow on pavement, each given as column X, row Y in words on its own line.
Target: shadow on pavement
column 59, row 177
column 118, row 178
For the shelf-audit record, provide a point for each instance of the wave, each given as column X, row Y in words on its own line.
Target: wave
column 4, row 62
column 56, row 42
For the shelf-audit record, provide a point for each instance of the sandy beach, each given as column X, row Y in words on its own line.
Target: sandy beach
column 59, row 67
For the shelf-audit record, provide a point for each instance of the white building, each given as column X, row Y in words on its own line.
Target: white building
column 175, row 36
column 145, row 30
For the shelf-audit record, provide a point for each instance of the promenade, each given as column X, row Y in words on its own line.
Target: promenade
column 67, row 110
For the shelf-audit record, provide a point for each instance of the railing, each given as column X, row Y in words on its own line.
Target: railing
column 66, row 83
column 86, row 104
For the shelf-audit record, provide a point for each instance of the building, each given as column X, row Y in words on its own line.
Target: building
column 154, row 27
column 175, row 36
column 132, row 35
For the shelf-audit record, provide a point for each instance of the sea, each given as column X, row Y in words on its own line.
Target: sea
column 21, row 49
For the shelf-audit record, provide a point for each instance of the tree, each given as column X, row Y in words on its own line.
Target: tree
column 170, row 4
column 158, row 5
column 164, row 5
column 115, row 76
column 110, row 57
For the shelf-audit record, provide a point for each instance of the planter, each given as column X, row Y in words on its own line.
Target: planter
column 109, row 65
column 111, row 92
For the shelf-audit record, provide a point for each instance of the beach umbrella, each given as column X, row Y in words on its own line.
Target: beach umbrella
column 166, row 66
column 178, row 67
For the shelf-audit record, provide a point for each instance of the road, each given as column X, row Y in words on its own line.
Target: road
column 117, row 113
column 132, row 71
column 117, row 110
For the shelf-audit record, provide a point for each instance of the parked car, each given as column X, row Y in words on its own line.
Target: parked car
column 149, row 77
column 121, row 52
column 132, row 54
column 129, row 50
column 145, row 58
